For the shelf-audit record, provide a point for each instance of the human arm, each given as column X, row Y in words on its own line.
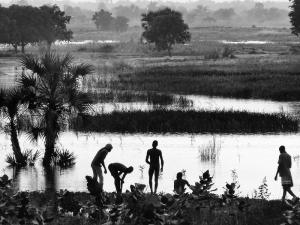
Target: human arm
column 161, row 162
column 278, row 168
column 123, row 177
column 147, row 157
column 103, row 164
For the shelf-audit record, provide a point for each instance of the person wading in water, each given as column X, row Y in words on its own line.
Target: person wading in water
column 154, row 154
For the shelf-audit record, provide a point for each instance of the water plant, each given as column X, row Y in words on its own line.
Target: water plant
column 63, row 158
column 263, row 191
column 210, row 151
column 29, row 156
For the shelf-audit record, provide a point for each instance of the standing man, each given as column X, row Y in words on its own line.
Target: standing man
column 116, row 170
column 284, row 165
column 154, row 154
column 98, row 161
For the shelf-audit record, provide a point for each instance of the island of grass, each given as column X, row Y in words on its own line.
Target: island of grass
column 240, row 79
column 180, row 121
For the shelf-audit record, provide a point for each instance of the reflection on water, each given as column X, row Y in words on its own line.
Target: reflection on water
column 252, row 156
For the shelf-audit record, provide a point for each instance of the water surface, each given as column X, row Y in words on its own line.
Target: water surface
column 252, row 156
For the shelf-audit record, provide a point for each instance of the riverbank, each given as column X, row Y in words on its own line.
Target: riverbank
column 137, row 207
column 167, row 121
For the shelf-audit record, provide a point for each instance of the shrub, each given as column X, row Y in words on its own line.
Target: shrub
column 63, row 158
column 30, row 158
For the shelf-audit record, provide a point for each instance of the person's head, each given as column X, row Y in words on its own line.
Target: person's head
column 282, row 149
column 129, row 169
column 179, row 176
column 108, row 147
column 154, row 144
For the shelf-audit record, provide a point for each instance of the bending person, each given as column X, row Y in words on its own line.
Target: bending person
column 284, row 165
column 98, row 161
column 116, row 170
column 154, row 154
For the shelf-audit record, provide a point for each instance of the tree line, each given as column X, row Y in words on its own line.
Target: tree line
column 23, row 25
column 106, row 22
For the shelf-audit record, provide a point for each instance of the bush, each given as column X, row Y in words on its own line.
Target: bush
column 30, row 158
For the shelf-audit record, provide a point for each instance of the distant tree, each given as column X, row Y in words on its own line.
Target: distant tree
column 295, row 16
column 131, row 12
column 4, row 25
column 23, row 26
column 165, row 28
column 103, row 20
column 120, row 23
column 225, row 14
column 54, row 25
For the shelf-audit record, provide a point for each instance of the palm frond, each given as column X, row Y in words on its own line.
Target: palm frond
column 81, row 70
column 32, row 63
column 80, row 101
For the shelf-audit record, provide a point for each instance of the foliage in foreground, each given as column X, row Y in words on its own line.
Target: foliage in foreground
column 137, row 207
column 164, row 121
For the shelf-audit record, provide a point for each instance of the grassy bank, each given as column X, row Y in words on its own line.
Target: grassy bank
column 164, row 121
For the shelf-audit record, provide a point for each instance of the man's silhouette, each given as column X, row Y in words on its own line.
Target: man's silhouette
column 284, row 165
column 98, row 161
column 116, row 170
column 154, row 154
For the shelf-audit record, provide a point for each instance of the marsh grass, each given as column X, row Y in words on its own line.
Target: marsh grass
column 210, row 151
column 189, row 121
column 275, row 82
column 152, row 98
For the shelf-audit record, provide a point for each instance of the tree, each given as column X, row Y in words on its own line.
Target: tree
column 52, row 90
column 225, row 14
column 103, row 20
column 165, row 27
column 120, row 23
column 23, row 27
column 54, row 25
column 295, row 16
column 4, row 25
column 10, row 102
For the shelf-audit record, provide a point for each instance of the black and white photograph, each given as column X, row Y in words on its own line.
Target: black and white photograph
column 149, row 112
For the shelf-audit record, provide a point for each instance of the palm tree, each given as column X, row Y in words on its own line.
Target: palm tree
column 51, row 87
column 10, row 102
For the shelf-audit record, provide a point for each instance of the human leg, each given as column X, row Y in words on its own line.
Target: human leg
column 156, row 175
column 95, row 175
column 118, row 184
column 100, row 175
column 150, row 172
column 291, row 192
column 283, row 194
